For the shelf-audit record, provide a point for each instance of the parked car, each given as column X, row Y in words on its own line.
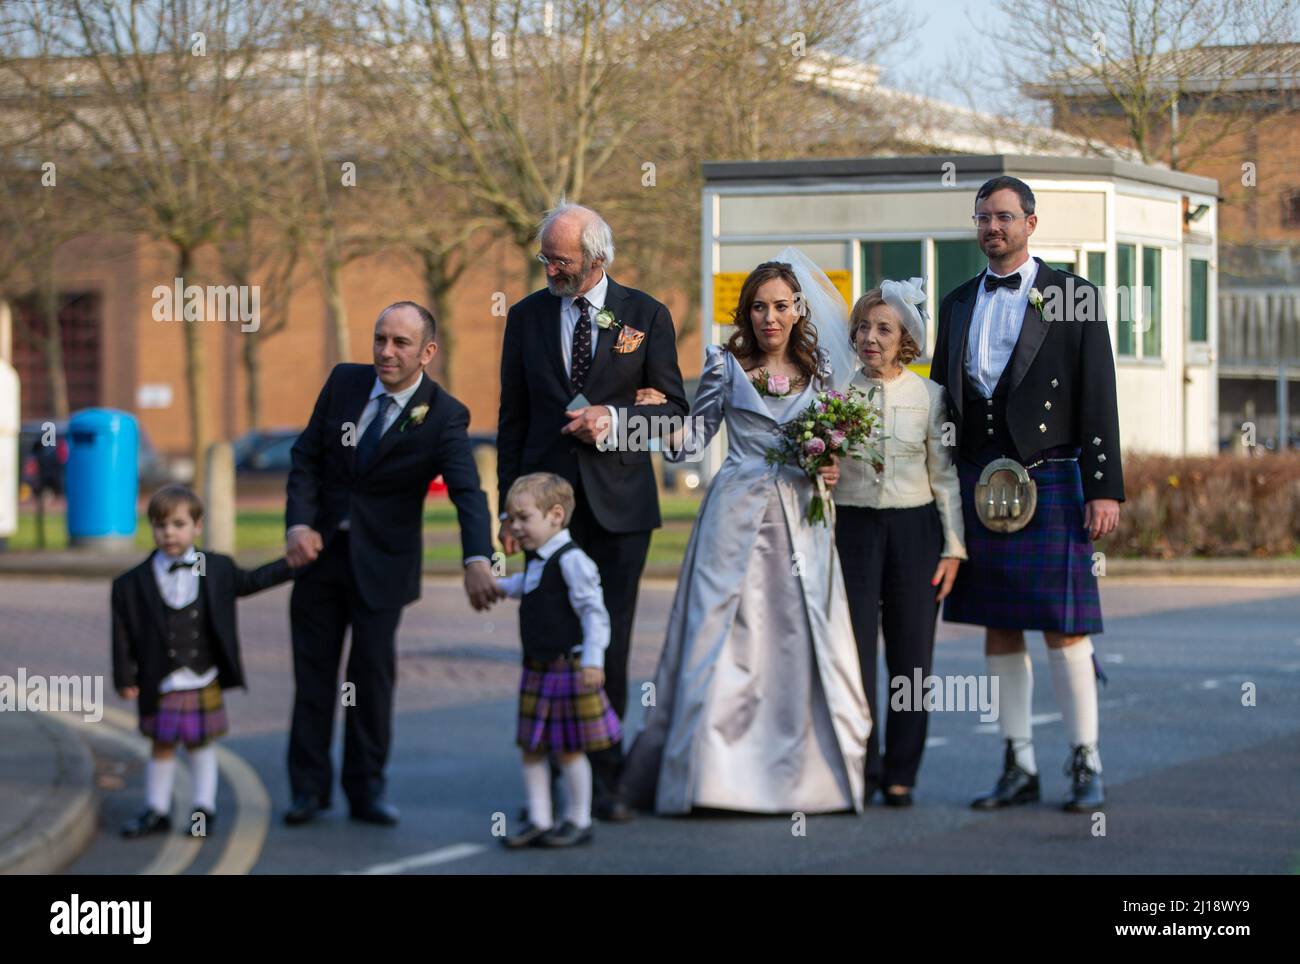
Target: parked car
column 44, row 467
column 681, row 478
column 263, row 459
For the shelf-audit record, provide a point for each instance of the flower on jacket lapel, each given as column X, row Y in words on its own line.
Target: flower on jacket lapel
column 605, row 320
column 415, row 418
column 1036, row 299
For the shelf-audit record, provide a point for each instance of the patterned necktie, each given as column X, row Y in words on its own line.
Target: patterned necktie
column 580, row 357
column 370, row 438
column 1011, row 281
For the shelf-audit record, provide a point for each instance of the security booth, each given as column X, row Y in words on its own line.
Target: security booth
column 1145, row 235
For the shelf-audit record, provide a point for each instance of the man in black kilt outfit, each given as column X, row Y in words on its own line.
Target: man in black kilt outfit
column 1024, row 352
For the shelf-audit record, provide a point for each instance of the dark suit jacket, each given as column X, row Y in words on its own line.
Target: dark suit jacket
column 385, row 501
column 619, row 486
column 140, row 627
column 1077, row 354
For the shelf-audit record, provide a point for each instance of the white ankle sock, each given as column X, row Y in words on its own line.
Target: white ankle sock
column 1075, row 683
column 1015, row 675
column 204, row 763
column 537, row 784
column 159, row 775
column 577, row 791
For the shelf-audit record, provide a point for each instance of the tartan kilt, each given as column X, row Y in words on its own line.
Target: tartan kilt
column 1038, row 578
column 192, row 717
column 557, row 714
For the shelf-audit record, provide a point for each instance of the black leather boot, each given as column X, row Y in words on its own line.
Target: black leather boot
column 1086, row 793
column 1014, row 787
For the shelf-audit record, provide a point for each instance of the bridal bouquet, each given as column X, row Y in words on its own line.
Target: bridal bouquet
column 835, row 424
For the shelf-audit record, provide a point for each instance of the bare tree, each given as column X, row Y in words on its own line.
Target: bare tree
column 1164, row 72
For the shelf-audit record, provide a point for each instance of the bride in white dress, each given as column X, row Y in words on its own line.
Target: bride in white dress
column 758, row 701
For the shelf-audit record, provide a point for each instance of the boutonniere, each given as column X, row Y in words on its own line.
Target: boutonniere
column 415, row 418
column 1036, row 298
column 777, row 386
column 605, row 320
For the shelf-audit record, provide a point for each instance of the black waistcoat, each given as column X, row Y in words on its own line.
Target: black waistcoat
column 548, row 625
column 984, row 432
column 189, row 638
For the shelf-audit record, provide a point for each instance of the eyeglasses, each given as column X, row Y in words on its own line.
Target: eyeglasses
column 1003, row 217
column 564, row 264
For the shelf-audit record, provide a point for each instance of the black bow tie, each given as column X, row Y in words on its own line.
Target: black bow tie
column 179, row 564
column 992, row 281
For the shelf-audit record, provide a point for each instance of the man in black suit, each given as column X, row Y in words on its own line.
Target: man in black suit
column 361, row 469
column 585, row 336
column 1024, row 353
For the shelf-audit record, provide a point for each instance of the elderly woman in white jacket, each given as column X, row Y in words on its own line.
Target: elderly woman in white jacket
column 899, row 531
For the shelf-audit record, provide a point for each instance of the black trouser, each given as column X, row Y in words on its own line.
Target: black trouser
column 889, row 557
column 324, row 603
column 620, row 558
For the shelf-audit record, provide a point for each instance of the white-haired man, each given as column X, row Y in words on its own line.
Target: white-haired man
column 585, row 336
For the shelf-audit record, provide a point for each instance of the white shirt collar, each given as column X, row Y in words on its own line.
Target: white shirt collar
column 595, row 295
column 162, row 562
column 401, row 397
column 1026, row 271
column 554, row 544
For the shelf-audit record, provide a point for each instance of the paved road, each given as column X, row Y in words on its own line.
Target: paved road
column 1198, row 782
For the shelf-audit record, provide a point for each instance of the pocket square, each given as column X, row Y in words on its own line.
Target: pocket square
column 629, row 340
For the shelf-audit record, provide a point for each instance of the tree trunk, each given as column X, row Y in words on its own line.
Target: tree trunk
column 252, row 369
column 336, row 311
column 55, row 371
column 195, row 380
column 437, row 289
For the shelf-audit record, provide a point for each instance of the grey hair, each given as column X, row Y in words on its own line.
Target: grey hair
column 597, row 238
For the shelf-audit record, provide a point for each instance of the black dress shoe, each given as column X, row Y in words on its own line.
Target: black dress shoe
column 1015, row 786
column 151, row 821
column 376, row 812
column 1086, row 793
column 612, row 810
column 903, row 799
column 209, row 819
column 568, row 834
column 529, row 835
column 304, row 809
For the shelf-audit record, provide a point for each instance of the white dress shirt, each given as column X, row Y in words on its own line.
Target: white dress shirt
column 585, row 594
column 178, row 590
column 995, row 326
column 919, row 468
column 569, row 315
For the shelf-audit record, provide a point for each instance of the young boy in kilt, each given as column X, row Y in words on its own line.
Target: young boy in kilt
column 176, row 647
column 565, row 630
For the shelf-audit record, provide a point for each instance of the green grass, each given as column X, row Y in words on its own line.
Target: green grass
column 260, row 532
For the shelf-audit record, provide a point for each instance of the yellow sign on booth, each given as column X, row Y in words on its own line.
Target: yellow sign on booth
column 727, row 285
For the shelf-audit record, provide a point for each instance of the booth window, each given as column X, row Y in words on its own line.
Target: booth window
column 1095, row 267
column 1199, row 300
column 1151, row 313
column 1125, row 307
column 955, row 262
column 890, row 260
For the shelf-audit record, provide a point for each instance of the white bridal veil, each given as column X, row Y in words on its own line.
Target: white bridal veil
column 829, row 314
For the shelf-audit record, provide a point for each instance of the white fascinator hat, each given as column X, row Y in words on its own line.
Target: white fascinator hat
column 908, row 299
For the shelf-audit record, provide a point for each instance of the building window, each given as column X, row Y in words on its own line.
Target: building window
column 1125, row 308
column 1151, row 313
column 1291, row 209
column 1095, row 270
column 892, row 260
column 956, row 262
column 1198, row 327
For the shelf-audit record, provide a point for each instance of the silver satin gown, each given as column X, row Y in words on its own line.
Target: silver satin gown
column 758, row 700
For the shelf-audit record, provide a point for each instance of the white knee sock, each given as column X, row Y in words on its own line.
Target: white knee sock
column 159, row 775
column 537, row 784
column 1075, row 683
column 204, row 763
column 1015, row 675
column 577, row 790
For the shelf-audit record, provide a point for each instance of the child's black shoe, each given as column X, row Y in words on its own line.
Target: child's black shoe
column 151, row 821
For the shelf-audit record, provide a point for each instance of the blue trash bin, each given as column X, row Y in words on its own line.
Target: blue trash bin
column 102, row 478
